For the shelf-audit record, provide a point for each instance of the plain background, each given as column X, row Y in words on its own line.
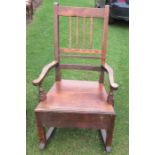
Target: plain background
column 13, row 77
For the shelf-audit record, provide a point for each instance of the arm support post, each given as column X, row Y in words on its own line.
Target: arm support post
column 113, row 85
column 39, row 80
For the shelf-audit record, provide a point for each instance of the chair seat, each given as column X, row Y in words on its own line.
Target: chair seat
column 75, row 96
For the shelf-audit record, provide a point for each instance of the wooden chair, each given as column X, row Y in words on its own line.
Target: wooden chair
column 74, row 103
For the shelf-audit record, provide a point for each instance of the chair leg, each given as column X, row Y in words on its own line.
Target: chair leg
column 43, row 138
column 41, row 135
column 106, row 139
column 109, row 136
column 108, row 144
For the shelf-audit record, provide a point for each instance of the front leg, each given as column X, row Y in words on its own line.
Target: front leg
column 107, row 135
column 41, row 133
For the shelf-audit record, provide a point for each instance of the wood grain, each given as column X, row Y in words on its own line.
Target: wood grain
column 56, row 41
column 105, row 33
column 44, row 72
column 109, row 70
column 81, row 12
column 83, row 96
column 80, row 67
column 73, row 103
column 84, row 51
column 79, row 56
column 75, row 120
column 87, row 106
column 91, row 32
column 70, row 32
column 56, row 31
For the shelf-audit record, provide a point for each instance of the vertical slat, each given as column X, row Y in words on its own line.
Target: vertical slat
column 56, row 40
column 84, row 33
column 91, row 31
column 77, row 31
column 70, row 32
column 105, row 33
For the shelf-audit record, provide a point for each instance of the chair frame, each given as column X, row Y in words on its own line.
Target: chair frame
column 108, row 120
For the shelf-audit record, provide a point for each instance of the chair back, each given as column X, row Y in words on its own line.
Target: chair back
column 86, row 14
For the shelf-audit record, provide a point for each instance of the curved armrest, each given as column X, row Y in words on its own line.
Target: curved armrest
column 109, row 70
column 44, row 72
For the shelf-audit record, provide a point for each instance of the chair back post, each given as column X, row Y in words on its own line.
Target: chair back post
column 56, row 40
column 105, row 33
column 105, row 37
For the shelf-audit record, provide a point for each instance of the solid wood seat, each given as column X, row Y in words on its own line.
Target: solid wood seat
column 76, row 96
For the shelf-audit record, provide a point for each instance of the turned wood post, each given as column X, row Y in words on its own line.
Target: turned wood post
column 110, row 98
column 42, row 94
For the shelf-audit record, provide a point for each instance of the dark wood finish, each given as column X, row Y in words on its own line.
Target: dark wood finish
column 110, row 98
column 81, row 12
column 75, row 120
column 72, row 103
column 79, row 56
column 56, row 41
column 79, row 112
column 84, row 51
column 80, row 67
column 107, row 135
column 101, row 77
column 87, row 99
column 78, row 93
column 41, row 132
column 39, row 80
column 105, row 33
column 42, row 135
